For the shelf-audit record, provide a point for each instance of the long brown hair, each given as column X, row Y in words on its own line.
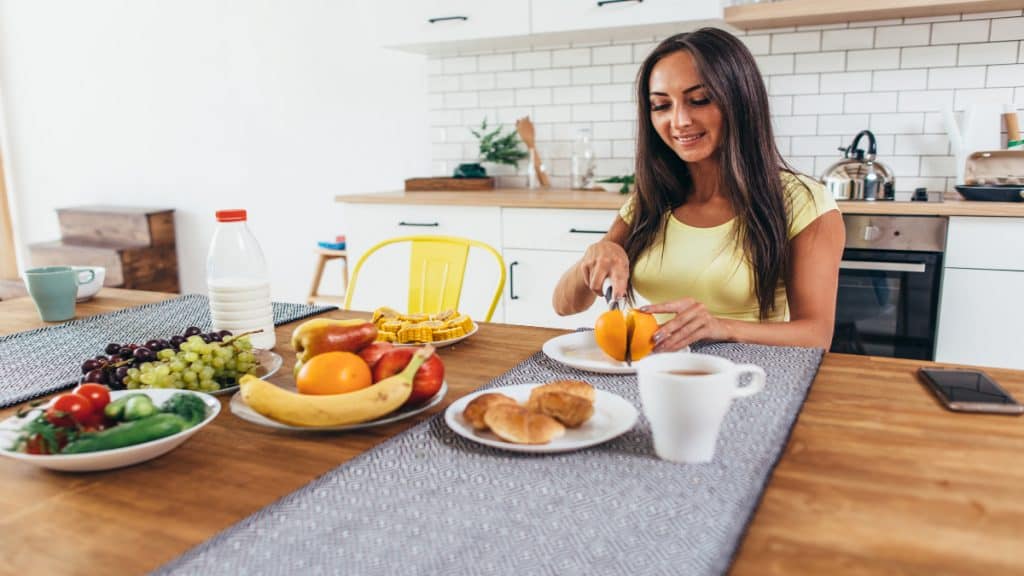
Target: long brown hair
column 750, row 161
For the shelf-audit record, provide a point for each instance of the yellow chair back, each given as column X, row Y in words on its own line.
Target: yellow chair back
column 437, row 267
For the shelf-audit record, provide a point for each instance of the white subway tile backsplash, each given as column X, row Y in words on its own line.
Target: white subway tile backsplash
column 1009, row 75
column 963, row 77
column 842, row 124
column 869, row 102
column 1007, row 29
column 873, row 59
column 846, row 82
column 571, row 57
column 806, row 27
column 928, row 57
column 912, row 35
column 793, row 84
column 613, row 93
column 771, row 65
column 960, row 32
column 612, row 54
column 591, row 75
column 496, row 62
column 591, row 112
column 818, row 104
column 822, row 164
column 796, row 42
column 825, row 83
column 899, row 123
column 820, row 62
column 795, row 125
column 925, row 100
column 988, row 53
column 847, row 39
column 900, row 80
column 572, row 95
column 523, row 79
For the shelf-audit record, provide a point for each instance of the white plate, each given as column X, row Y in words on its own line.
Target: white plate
column 443, row 343
column 267, row 363
column 242, row 410
column 107, row 459
column 613, row 416
column 579, row 350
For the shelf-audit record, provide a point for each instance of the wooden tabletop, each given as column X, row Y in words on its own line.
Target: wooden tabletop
column 877, row 477
column 601, row 200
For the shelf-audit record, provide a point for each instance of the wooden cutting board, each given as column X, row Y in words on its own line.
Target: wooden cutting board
column 448, row 184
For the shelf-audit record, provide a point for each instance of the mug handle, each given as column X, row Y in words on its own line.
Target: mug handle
column 92, row 276
column 757, row 380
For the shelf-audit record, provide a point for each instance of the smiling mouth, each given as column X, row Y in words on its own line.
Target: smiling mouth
column 689, row 138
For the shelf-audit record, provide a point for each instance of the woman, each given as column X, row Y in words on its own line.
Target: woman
column 721, row 235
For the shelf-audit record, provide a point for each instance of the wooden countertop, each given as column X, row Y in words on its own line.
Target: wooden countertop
column 601, row 200
column 876, row 478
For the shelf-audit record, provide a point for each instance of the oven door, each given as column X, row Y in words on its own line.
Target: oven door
column 887, row 303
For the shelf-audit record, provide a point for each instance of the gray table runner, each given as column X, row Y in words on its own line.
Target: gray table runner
column 430, row 502
column 37, row 362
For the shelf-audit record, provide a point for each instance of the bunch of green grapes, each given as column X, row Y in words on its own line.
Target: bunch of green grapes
column 196, row 365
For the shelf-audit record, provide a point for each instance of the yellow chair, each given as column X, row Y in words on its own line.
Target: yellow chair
column 437, row 267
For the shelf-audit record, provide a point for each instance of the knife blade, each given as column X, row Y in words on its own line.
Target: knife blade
column 606, row 289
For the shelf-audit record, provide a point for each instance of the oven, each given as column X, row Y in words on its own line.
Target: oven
column 889, row 281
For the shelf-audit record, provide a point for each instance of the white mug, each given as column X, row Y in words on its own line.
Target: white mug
column 685, row 398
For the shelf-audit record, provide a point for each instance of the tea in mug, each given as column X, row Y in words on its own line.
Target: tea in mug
column 690, row 373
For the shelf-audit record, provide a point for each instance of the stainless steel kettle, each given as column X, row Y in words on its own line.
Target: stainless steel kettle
column 858, row 176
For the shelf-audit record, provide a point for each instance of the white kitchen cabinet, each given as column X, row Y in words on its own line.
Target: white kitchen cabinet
column 384, row 280
column 572, row 15
column 980, row 311
column 532, row 276
column 404, row 22
column 554, row 229
column 981, row 317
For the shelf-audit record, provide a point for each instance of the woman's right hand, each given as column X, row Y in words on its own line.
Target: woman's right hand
column 602, row 260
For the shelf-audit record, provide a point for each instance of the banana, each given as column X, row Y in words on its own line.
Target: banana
column 309, row 410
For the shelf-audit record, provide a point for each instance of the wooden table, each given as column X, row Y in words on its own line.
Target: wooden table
column 877, row 477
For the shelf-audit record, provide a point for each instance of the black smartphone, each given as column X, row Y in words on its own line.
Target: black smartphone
column 969, row 391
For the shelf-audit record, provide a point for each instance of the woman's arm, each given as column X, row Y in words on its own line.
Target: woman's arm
column 811, row 285
column 581, row 283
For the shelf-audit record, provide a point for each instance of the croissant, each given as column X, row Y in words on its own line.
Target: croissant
column 477, row 407
column 514, row 423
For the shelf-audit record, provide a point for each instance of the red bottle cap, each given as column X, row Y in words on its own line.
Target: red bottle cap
column 230, row 215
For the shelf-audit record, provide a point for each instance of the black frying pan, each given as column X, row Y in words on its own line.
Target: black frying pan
column 992, row 193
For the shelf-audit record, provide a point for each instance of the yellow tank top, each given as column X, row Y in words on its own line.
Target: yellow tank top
column 708, row 265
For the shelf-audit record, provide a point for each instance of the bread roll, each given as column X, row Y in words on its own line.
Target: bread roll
column 575, row 387
column 514, row 423
column 567, row 408
column 477, row 407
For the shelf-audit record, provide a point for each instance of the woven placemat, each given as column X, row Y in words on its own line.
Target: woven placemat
column 430, row 502
column 41, row 361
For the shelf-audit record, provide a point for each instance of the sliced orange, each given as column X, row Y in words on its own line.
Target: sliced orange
column 620, row 331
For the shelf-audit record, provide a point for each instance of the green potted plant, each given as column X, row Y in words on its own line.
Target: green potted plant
column 620, row 184
column 494, row 147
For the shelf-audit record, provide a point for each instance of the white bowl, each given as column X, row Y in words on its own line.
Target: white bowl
column 107, row 459
column 89, row 289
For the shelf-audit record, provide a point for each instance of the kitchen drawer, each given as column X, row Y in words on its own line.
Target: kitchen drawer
column 565, row 15
column 401, row 22
column 980, row 318
column 376, row 222
column 985, row 243
column 554, row 229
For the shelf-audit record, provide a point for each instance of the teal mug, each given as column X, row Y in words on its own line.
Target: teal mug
column 53, row 288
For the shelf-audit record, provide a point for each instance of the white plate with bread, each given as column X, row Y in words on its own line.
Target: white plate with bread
column 558, row 416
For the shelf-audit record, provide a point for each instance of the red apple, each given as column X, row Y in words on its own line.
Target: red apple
column 372, row 352
column 428, row 378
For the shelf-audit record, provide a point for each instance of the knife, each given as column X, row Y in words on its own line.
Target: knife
column 615, row 304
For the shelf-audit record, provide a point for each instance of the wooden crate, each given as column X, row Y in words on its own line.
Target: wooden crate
column 448, row 184
column 136, row 267
column 118, row 226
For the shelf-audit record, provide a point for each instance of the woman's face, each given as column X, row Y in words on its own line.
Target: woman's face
column 681, row 109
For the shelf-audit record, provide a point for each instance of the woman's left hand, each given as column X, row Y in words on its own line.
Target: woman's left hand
column 692, row 323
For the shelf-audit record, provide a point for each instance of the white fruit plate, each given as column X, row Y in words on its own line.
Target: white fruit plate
column 242, row 410
column 443, row 343
column 10, row 431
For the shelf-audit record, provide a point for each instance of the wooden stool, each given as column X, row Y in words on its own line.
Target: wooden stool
column 325, row 256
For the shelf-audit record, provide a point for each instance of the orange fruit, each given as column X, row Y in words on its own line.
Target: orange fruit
column 333, row 373
column 617, row 331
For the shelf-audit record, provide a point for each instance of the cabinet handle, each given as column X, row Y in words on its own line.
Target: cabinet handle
column 512, row 280
column 603, row 2
column 583, row 231
column 462, row 18
column 420, row 224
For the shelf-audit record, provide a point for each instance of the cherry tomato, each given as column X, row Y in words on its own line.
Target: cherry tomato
column 94, row 422
column 36, row 445
column 98, row 395
column 68, row 410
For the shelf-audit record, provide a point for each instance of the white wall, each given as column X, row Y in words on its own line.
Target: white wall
column 275, row 106
column 826, row 83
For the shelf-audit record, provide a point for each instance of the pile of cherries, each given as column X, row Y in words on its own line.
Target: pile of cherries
column 111, row 368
